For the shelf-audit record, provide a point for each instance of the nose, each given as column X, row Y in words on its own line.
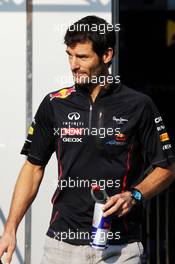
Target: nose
column 74, row 64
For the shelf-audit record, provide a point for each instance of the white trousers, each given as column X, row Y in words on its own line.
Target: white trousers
column 59, row 252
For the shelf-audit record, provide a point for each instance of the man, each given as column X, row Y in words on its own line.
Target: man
column 102, row 132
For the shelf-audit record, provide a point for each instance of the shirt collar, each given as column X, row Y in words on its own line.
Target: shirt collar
column 112, row 88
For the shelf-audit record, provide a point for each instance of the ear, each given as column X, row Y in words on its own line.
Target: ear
column 107, row 56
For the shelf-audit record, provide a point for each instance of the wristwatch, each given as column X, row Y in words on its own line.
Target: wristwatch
column 136, row 195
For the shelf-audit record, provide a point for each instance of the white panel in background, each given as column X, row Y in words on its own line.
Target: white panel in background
column 50, row 65
column 61, row 2
column 69, row 2
column 12, row 111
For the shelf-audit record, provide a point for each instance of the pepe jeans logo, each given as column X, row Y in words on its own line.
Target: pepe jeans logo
column 120, row 120
column 74, row 116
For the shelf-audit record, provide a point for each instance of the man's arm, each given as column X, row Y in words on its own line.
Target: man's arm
column 155, row 182
column 158, row 180
column 25, row 191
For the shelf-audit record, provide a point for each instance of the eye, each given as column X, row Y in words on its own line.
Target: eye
column 82, row 57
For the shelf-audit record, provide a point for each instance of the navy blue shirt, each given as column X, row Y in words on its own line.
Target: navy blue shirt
column 113, row 142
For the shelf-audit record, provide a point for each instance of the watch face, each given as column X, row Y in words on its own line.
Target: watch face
column 137, row 195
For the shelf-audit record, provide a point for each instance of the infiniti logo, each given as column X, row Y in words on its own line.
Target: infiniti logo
column 74, row 116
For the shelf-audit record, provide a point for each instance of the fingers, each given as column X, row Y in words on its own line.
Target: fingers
column 7, row 244
column 124, row 211
column 3, row 249
column 115, row 206
column 111, row 201
column 10, row 251
column 119, row 204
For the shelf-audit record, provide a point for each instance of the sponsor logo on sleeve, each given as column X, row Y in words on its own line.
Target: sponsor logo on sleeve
column 31, row 130
column 160, row 128
column 167, row 146
column 63, row 93
column 164, row 137
column 158, row 119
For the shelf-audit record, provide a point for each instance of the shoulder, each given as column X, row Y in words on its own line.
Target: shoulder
column 62, row 93
column 136, row 97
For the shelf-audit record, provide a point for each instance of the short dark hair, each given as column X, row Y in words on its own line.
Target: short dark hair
column 100, row 41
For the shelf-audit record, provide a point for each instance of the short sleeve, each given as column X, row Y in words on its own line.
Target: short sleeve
column 154, row 137
column 39, row 144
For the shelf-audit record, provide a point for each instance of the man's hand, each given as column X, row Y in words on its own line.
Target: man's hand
column 26, row 189
column 7, row 244
column 119, row 204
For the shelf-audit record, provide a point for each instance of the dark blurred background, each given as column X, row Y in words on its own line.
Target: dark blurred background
column 147, row 64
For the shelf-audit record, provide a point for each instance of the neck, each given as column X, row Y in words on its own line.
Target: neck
column 96, row 90
column 94, row 93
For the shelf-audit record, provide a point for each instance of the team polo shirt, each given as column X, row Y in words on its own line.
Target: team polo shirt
column 113, row 142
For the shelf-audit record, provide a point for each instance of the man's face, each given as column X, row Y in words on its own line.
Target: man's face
column 84, row 62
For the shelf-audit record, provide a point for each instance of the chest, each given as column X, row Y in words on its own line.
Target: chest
column 110, row 124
